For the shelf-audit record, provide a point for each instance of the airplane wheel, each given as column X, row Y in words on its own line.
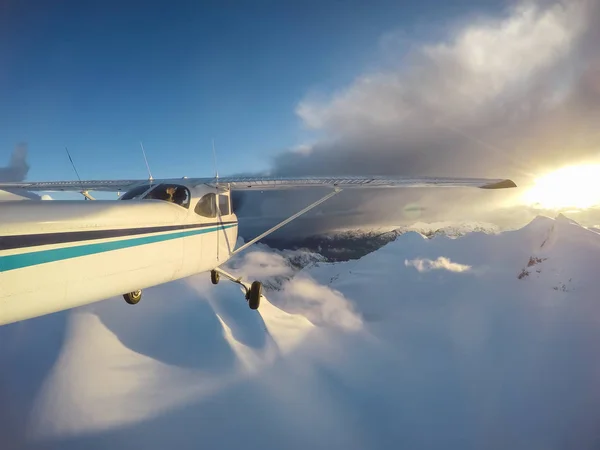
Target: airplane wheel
column 134, row 297
column 254, row 295
column 214, row 277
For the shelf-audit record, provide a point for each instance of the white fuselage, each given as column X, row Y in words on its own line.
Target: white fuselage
column 56, row 255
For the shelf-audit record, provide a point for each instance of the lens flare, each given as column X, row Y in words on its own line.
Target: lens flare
column 570, row 187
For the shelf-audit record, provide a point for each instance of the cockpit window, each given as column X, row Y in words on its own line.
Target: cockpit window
column 135, row 193
column 207, row 206
column 173, row 193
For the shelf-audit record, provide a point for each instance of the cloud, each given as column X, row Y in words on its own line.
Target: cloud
column 498, row 81
column 318, row 303
column 506, row 96
column 484, row 61
column 263, row 264
column 17, row 168
column 427, row 265
column 295, row 290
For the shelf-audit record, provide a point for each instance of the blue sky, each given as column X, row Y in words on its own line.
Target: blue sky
column 98, row 77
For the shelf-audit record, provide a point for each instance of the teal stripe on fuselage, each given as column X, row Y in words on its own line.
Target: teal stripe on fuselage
column 12, row 262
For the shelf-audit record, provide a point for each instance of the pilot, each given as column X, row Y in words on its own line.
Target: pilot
column 170, row 194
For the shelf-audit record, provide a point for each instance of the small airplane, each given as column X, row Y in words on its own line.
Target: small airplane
column 57, row 255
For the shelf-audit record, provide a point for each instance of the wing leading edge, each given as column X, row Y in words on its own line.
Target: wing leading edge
column 270, row 183
column 359, row 182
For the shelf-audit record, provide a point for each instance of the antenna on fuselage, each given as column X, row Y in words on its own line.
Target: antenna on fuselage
column 150, row 178
column 83, row 191
column 215, row 162
column 217, row 195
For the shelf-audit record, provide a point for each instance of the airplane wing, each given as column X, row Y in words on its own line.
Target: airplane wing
column 268, row 183
column 77, row 186
column 360, row 182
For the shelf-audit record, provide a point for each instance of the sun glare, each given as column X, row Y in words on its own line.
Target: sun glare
column 570, row 187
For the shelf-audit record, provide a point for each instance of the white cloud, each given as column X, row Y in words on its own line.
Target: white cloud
column 303, row 149
column 496, row 55
column 427, row 265
column 263, row 264
column 320, row 304
column 300, row 294
column 482, row 62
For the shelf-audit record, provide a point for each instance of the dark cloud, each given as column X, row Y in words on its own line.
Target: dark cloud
column 17, row 168
column 512, row 97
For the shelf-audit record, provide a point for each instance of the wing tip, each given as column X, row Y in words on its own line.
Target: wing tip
column 504, row 184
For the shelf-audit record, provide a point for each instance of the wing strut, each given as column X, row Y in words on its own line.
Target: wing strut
column 83, row 191
column 286, row 221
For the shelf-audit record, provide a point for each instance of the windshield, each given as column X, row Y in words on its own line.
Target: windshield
column 173, row 193
column 135, row 193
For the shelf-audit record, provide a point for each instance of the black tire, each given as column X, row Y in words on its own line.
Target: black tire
column 133, row 298
column 214, row 277
column 254, row 295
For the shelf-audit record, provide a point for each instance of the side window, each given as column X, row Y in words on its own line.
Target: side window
column 224, row 205
column 207, row 206
column 182, row 196
column 173, row 193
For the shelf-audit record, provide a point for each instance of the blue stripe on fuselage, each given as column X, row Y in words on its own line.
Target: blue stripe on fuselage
column 12, row 262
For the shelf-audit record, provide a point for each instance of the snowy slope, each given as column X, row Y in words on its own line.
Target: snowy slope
column 344, row 244
column 425, row 343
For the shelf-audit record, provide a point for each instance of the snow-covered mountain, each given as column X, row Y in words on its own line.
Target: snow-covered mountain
column 484, row 340
column 343, row 245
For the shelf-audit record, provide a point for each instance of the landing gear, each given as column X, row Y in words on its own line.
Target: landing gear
column 133, row 298
column 253, row 291
column 253, row 295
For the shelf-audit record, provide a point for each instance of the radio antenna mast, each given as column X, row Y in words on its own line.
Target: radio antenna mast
column 217, row 196
column 215, row 162
column 150, row 178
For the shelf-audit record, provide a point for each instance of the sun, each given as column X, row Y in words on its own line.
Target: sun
column 570, row 187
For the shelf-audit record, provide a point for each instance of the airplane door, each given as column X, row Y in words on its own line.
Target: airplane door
column 192, row 253
column 202, row 249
